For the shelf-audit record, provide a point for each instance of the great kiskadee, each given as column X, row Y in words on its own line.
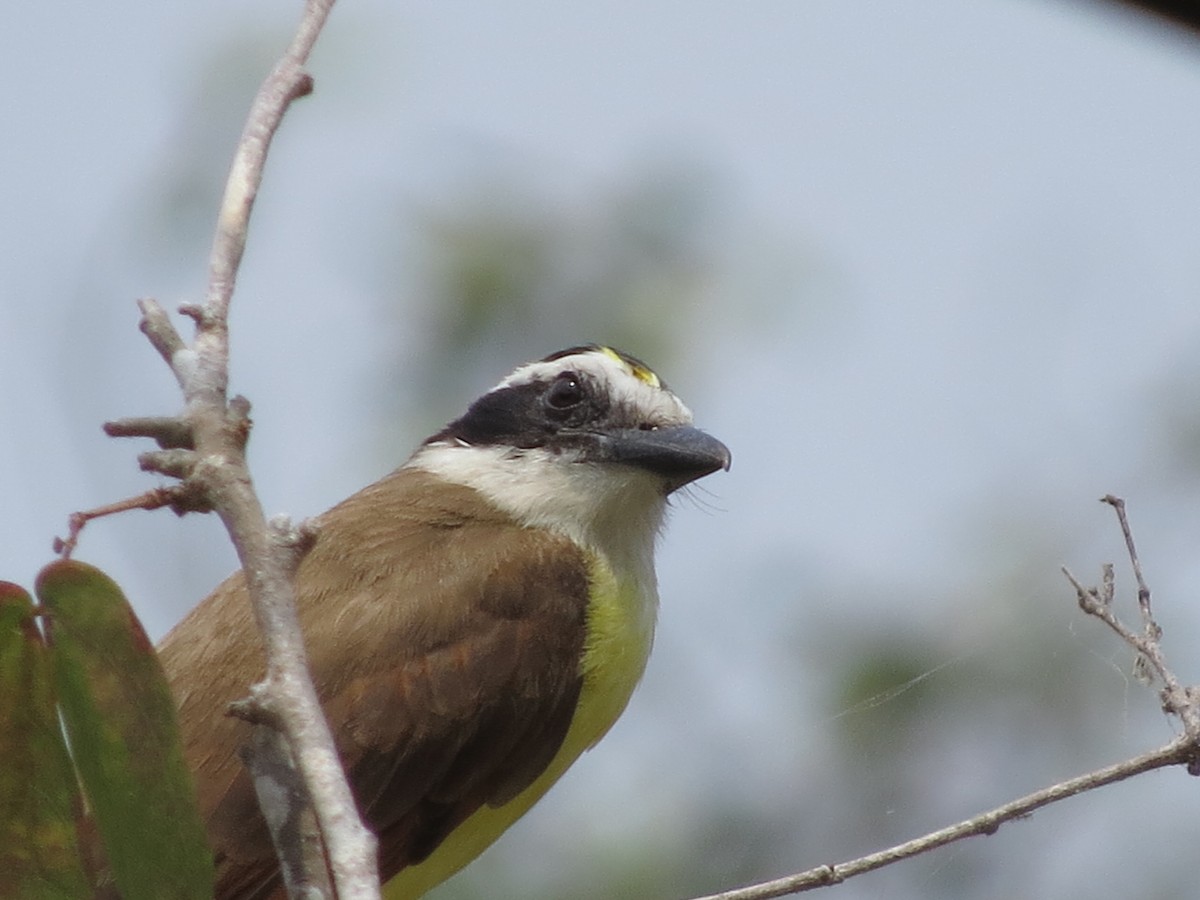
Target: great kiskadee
column 474, row 621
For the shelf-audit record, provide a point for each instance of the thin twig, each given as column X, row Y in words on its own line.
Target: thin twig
column 1178, row 751
column 285, row 804
column 1149, row 626
column 178, row 497
column 1123, row 520
column 1177, row 699
column 169, row 431
column 268, row 561
column 205, row 447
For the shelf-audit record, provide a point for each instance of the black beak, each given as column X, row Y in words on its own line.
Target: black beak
column 680, row 454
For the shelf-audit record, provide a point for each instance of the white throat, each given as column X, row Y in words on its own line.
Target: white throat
column 616, row 511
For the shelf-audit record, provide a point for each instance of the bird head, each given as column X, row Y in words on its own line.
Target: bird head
column 588, row 441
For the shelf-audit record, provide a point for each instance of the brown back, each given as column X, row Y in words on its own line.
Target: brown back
column 444, row 642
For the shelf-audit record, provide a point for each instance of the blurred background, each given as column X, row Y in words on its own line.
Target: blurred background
column 930, row 269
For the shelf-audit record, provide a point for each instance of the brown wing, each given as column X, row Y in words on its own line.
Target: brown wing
column 444, row 641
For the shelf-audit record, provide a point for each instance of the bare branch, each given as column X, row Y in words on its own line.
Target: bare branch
column 1178, row 751
column 179, row 497
column 267, row 561
column 287, row 807
column 168, row 431
column 204, row 446
column 1152, row 631
column 1177, row 700
column 1143, row 592
column 287, row 82
column 157, row 328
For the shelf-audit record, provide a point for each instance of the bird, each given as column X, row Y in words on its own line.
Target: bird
column 474, row 620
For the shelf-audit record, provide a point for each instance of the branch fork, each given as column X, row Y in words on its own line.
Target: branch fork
column 1178, row 700
column 1150, row 664
column 325, row 849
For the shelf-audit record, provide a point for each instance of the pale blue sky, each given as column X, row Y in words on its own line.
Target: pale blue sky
column 962, row 286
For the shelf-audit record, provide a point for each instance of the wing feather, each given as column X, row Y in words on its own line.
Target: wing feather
column 445, row 643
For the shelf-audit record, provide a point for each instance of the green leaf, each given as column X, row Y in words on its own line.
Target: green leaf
column 39, row 796
column 120, row 721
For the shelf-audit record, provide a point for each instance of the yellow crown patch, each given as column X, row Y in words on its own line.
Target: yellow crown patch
column 635, row 367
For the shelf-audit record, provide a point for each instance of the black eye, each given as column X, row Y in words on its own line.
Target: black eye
column 565, row 393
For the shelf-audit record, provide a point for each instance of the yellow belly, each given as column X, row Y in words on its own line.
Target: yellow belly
column 620, row 631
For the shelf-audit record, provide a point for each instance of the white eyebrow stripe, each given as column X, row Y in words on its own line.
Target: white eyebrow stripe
column 654, row 403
